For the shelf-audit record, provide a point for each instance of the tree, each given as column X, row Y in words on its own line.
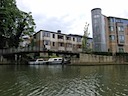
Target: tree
column 14, row 23
column 85, row 38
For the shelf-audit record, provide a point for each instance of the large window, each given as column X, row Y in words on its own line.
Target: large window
column 121, row 38
column 121, row 49
column 120, row 28
column 112, row 37
column 96, row 16
column 111, row 28
column 111, row 19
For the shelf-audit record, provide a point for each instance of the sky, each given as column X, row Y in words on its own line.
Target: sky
column 70, row 16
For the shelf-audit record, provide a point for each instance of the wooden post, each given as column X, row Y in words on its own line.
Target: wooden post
column 15, row 58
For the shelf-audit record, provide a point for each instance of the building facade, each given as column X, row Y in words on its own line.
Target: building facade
column 58, row 41
column 26, row 40
column 110, row 34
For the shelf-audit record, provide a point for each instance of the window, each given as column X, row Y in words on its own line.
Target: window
column 112, row 37
column 68, row 38
column 118, row 20
column 111, row 28
column 78, row 39
column 46, row 42
column 69, row 45
column 121, row 49
column 78, row 46
column 111, row 19
column 55, row 59
column 60, row 37
column 121, row 38
column 96, row 16
column 120, row 28
column 73, row 39
column 53, row 35
column 46, row 34
column 61, row 44
column 60, row 59
column 53, row 43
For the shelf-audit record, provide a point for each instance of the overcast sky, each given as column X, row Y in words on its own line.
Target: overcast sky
column 70, row 16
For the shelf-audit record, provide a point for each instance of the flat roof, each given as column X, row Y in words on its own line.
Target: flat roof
column 117, row 17
column 75, row 35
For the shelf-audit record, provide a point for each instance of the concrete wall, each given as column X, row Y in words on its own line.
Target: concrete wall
column 92, row 59
column 95, row 58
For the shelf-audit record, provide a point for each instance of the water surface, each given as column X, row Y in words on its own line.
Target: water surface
column 57, row 80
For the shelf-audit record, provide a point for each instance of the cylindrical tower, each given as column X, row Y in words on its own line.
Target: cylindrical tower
column 98, row 28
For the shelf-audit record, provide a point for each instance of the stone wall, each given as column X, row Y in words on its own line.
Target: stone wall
column 99, row 59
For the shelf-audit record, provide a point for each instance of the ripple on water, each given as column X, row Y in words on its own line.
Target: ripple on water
column 67, row 82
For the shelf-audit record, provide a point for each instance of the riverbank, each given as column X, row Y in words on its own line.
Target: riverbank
column 88, row 60
column 96, row 63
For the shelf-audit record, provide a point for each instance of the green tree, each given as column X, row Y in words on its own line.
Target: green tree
column 85, row 38
column 14, row 23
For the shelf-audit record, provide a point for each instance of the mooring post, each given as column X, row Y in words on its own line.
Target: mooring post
column 15, row 58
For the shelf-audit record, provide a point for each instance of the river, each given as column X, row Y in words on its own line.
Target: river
column 57, row 80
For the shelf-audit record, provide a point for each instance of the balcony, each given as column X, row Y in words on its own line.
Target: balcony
column 61, row 48
column 69, row 49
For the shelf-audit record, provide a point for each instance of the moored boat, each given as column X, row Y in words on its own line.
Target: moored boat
column 51, row 61
column 58, row 60
column 37, row 61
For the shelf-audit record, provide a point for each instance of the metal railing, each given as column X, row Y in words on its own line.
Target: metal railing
column 29, row 50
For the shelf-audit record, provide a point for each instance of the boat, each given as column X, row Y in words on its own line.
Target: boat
column 37, row 61
column 51, row 61
column 58, row 60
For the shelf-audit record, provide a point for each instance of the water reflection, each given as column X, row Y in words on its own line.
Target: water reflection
column 39, row 80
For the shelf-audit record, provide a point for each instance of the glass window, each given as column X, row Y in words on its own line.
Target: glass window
column 53, row 35
column 61, row 44
column 96, row 16
column 112, row 37
column 46, row 34
column 60, row 37
column 121, row 38
column 121, row 49
column 68, row 38
column 118, row 20
column 73, row 39
column 78, row 39
column 120, row 28
column 53, row 43
column 55, row 59
column 111, row 28
column 111, row 19
column 69, row 45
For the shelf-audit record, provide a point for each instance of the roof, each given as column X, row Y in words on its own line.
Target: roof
column 96, row 9
column 74, row 35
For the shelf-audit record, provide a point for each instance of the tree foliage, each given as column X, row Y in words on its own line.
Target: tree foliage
column 14, row 23
column 85, row 38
